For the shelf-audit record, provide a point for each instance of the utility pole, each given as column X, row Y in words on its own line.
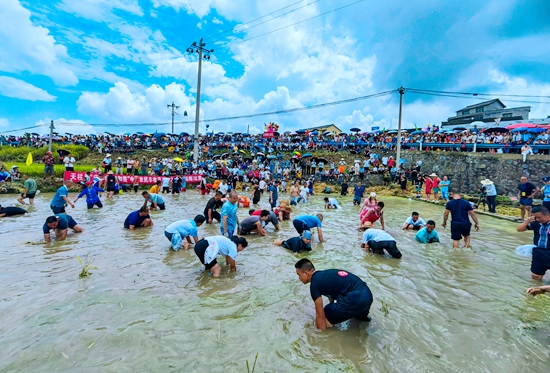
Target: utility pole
column 174, row 107
column 203, row 53
column 401, row 91
column 51, row 135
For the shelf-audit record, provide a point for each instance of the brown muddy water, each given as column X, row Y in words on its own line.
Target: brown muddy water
column 149, row 309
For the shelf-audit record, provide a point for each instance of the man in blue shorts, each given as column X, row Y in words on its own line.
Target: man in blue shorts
column 138, row 219
column 539, row 223
column 358, row 192
column 526, row 193
column 349, row 296
column 307, row 222
column 61, row 224
column 460, row 210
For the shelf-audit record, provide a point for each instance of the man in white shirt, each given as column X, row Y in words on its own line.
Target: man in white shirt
column 377, row 240
column 223, row 187
column 262, row 185
column 414, row 222
column 69, row 162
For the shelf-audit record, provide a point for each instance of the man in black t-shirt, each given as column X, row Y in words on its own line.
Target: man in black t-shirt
column 460, row 211
column 526, row 193
column 349, row 296
column 215, row 203
column 11, row 211
column 539, row 223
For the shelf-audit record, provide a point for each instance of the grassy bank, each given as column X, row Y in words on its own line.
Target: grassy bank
column 19, row 154
column 37, row 170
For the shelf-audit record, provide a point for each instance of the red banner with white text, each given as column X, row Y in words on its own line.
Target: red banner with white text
column 77, row 177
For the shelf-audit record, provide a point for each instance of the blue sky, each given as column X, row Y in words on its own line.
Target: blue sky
column 94, row 62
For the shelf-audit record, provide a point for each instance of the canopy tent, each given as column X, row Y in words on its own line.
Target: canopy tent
column 521, row 125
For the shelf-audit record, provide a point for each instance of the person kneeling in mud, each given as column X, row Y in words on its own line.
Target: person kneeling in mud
column 296, row 244
column 377, row 240
column 255, row 224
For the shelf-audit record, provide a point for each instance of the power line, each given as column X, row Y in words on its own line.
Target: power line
column 476, row 93
column 296, row 23
column 271, row 19
column 473, row 98
column 25, row 128
column 285, row 111
column 254, row 20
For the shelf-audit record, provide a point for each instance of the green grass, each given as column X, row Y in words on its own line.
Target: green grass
column 10, row 153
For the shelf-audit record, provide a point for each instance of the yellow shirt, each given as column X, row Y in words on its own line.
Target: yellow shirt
column 155, row 189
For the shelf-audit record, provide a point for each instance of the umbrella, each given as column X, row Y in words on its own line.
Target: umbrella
column 209, row 133
column 63, row 152
column 271, row 157
column 477, row 123
column 342, row 133
column 172, row 134
column 326, row 133
column 295, row 159
column 306, row 155
column 139, row 133
column 178, row 159
column 45, row 136
column 237, row 134
column 260, row 154
column 242, row 151
column 229, row 133
column 216, row 157
column 225, row 155
column 314, row 133
column 276, row 134
column 292, row 133
column 184, row 134
column 365, row 133
column 536, row 130
column 497, row 129
column 321, row 159
column 460, row 128
column 287, row 133
column 417, row 132
column 109, row 133
column 280, row 155
column 355, row 129
column 35, row 134
column 301, row 131
column 67, row 133
column 127, row 134
column 159, row 134
column 248, row 159
column 519, row 129
column 521, row 125
column 297, row 153
column 55, row 133
column 392, row 132
column 220, row 133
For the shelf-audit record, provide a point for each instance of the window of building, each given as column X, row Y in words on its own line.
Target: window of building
column 465, row 112
column 479, row 110
column 479, row 117
column 507, row 115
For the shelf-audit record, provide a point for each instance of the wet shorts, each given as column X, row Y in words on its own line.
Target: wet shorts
column 459, row 230
column 526, row 201
column 29, row 195
column 58, row 210
column 247, row 227
column 541, row 261
column 378, row 247
column 200, row 249
column 355, row 304
column 300, row 226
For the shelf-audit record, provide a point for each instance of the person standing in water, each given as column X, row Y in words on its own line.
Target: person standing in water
column 92, row 195
column 461, row 211
column 349, row 296
column 229, row 220
column 111, row 182
column 30, row 186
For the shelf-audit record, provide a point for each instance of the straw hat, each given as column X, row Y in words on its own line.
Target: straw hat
column 373, row 194
column 110, row 173
column 108, row 155
column 486, row 182
column 433, row 174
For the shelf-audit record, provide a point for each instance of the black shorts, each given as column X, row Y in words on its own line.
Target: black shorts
column 247, row 228
column 378, row 247
column 98, row 204
column 58, row 210
column 72, row 222
column 111, row 189
column 414, row 227
column 355, row 304
column 200, row 249
column 459, row 230
column 215, row 216
column 29, row 195
column 300, row 226
column 161, row 206
column 541, row 261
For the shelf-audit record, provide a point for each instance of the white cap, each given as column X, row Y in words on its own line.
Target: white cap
column 373, row 194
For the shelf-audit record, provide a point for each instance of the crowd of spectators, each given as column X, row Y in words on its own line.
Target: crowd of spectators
column 497, row 139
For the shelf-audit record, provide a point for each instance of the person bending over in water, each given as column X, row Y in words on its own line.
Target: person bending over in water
column 61, row 224
column 538, row 290
column 181, row 229
column 209, row 248
column 331, row 203
column 138, row 219
column 255, row 223
column 377, row 240
column 427, row 234
column 414, row 222
column 370, row 216
column 296, row 244
column 349, row 296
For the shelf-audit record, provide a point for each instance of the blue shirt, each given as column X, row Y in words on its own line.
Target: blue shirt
column 490, row 190
column 62, row 224
column 230, row 211
column 418, row 222
column 310, row 221
column 359, row 191
column 91, row 194
column 459, row 209
column 184, row 228
column 546, row 191
column 134, row 219
column 444, row 185
column 58, row 200
column 423, row 236
column 273, row 189
column 376, row 235
column 155, row 198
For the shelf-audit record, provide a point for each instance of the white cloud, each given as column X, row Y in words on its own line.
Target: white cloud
column 100, row 10
column 62, row 126
column 16, row 88
column 217, row 21
column 26, row 47
column 121, row 104
column 4, row 122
